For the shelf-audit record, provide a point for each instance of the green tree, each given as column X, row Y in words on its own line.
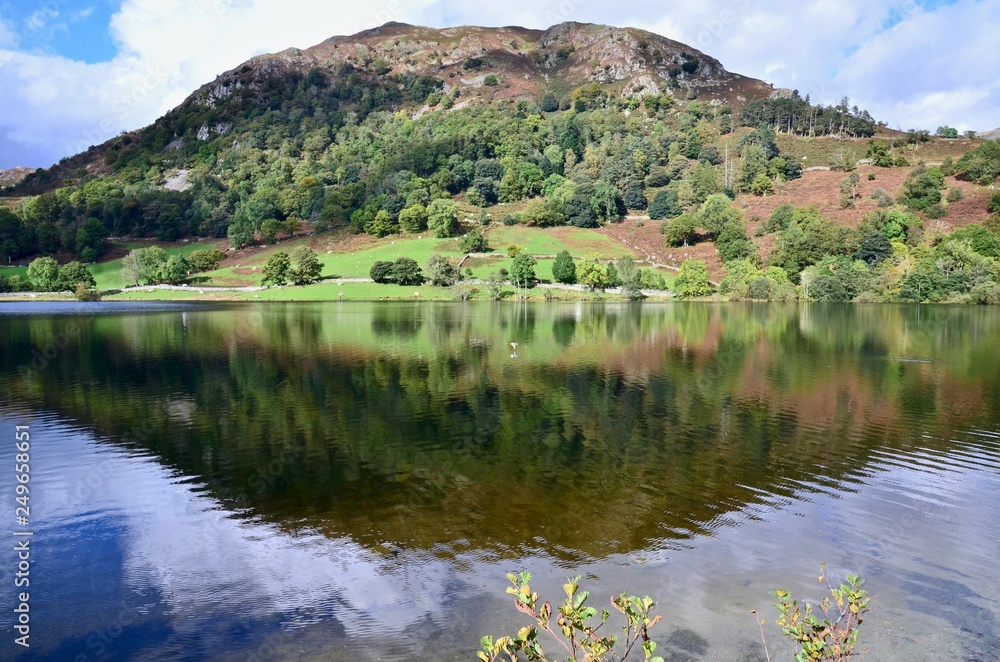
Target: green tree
column 205, row 260
column 175, row 270
column 665, row 205
column 276, row 269
column 874, row 248
column 635, row 197
column 704, row 181
column 732, row 243
column 241, row 231
column 269, row 230
column 291, row 225
column 91, row 236
column 761, row 185
column 564, row 269
column 442, row 217
column 381, row 272
column 692, row 280
column 441, row 272
column 74, row 274
column 522, row 270
column 680, row 230
column 43, row 272
column 143, row 265
column 630, row 277
column 406, row 271
column 307, row 267
column 593, row 274
column 754, row 164
column 808, row 239
column 414, row 218
column 474, row 242
column 381, row 224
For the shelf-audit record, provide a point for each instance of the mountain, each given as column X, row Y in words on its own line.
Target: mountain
column 397, row 66
column 627, row 61
column 989, row 135
column 13, row 176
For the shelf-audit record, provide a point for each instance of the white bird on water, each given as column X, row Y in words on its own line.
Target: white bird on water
column 514, row 355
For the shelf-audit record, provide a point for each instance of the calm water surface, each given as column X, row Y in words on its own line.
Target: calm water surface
column 352, row 481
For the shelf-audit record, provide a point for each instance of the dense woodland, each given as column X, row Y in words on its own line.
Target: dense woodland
column 340, row 149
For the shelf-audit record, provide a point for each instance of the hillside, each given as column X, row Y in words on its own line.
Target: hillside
column 399, row 66
column 405, row 131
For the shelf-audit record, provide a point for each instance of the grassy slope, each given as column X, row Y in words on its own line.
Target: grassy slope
column 246, row 269
column 108, row 274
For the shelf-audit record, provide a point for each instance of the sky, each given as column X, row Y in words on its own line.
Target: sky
column 74, row 73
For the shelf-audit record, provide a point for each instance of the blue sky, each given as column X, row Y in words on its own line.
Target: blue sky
column 75, row 29
column 76, row 72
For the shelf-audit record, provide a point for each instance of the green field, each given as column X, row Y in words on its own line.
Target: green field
column 7, row 272
column 581, row 243
column 108, row 274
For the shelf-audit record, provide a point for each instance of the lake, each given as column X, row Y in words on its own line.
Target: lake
column 352, row 481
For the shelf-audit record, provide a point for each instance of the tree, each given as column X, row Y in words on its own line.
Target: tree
column 441, row 272
column 381, row 224
column 579, row 212
column 241, row 231
column 993, row 206
column 630, row 278
column 665, row 205
column 382, row 272
column 291, row 225
column 143, row 264
column 43, row 272
column 205, row 260
column 406, row 271
column 732, row 243
column 981, row 165
column 593, row 274
column 828, row 289
column 874, row 248
column 413, row 218
column 175, row 270
column 474, row 242
column 550, row 103
column 131, row 267
column 754, row 164
column 680, row 230
column 692, row 280
column 74, row 274
column 307, row 267
column 276, row 269
column 849, row 190
column 91, row 236
column 522, row 270
column 761, row 185
column 634, row 196
column 442, row 217
column 564, row 269
column 269, row 230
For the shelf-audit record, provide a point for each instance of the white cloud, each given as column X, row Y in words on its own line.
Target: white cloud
column 916, row 75
column 934, row 67
column 52, row 107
